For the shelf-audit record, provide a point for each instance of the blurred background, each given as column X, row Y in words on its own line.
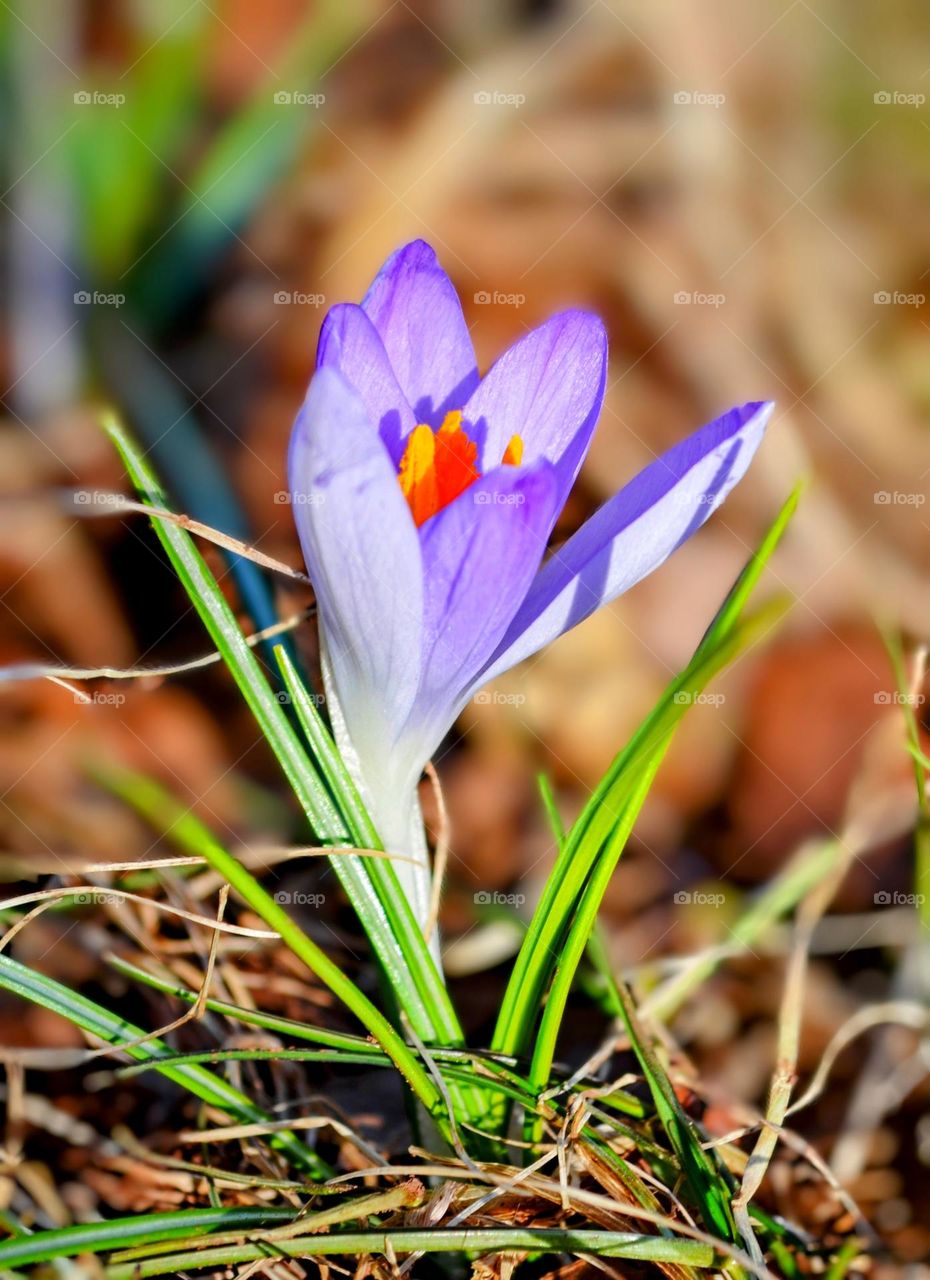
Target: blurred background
column 741, row 192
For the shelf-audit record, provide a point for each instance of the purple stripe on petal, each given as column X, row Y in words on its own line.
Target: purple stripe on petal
column 413, row 305
column 633, row 533
column 350, row 344
column 363, row 558
column 480, row 555
column 547, row 388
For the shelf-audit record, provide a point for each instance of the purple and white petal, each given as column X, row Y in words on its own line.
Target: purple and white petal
column 413, row 305
column 363, row 558
column 548, row 389
column 350, row 344
column 480, row 555
column 633, row 533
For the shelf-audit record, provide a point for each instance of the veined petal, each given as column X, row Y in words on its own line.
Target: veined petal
column 633, row 533
column 547, row 389
column 350, row 344
column 480, row 555
column 363, row 558
column 414, row 307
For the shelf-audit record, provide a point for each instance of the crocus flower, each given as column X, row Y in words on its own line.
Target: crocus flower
column 424, row 497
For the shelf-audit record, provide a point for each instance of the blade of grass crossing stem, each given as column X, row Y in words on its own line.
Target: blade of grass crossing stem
column 362, row 831
column 399, row 945
column 709, row 1189
column 457, row 1063
column 535, row 960
column 93, row 1018
column 186, row 830
column 540, row 950
column 703, row 1170
column 194, row 1225
column 149, row 798
column 149, row 1228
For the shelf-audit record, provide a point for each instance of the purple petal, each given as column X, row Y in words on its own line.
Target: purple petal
column 547, row 388
column 350, row 344
column 480, row 555
column 413, row 305
column 363, row 558
column 633, row 532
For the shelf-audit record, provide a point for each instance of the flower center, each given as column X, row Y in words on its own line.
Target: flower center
column 439, row 465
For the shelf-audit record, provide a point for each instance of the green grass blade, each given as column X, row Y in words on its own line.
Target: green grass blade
column 405, row 957
column 390, row 894
column 535, row 962
column 39, row 989
column 149, row 1228
column 192, row 835
column 541, row 948
column 474, row 1240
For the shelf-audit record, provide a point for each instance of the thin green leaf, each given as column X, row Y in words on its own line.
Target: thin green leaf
column 406, row 959
column 102, row 1237
column 93, row 1018
column 608, row 1244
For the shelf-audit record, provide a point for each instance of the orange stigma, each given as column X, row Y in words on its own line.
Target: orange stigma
column 439, row 465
